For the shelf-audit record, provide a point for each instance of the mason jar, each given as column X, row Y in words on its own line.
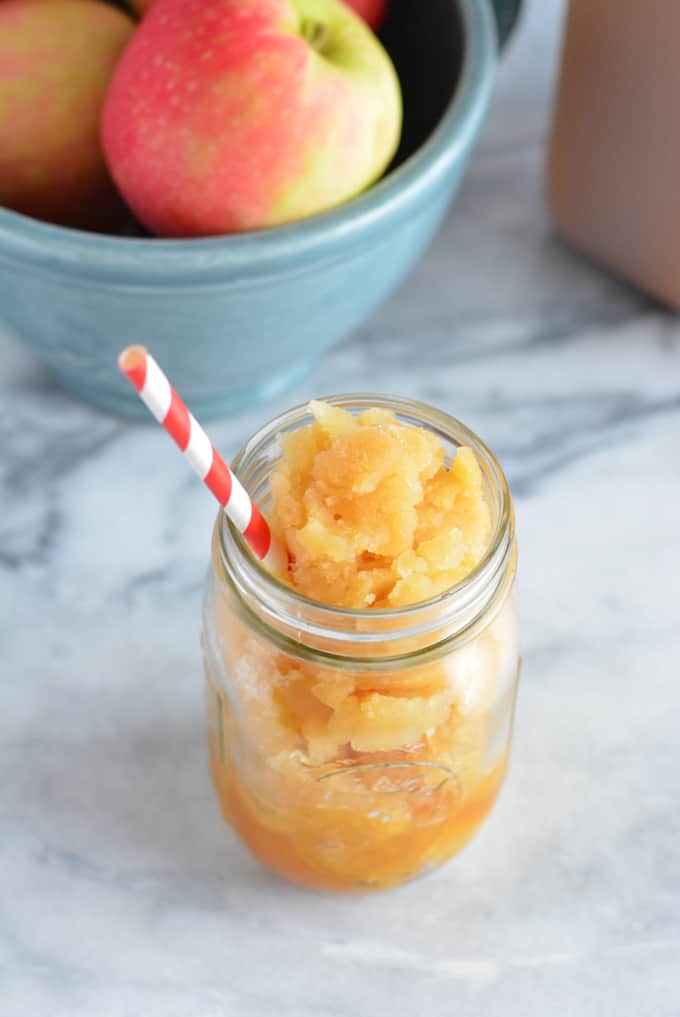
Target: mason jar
column 428, row 692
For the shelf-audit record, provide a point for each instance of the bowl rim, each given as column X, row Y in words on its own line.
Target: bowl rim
column 99, row 256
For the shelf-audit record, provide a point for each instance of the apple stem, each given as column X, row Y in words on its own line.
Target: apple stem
column 316, row 33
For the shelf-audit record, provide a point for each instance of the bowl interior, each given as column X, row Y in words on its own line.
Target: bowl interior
column 428, row 55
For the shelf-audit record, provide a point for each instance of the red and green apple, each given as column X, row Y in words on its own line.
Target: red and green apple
column 233, row 115
column 56, row 61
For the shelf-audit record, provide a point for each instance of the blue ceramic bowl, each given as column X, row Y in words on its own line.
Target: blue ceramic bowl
column 235, row 320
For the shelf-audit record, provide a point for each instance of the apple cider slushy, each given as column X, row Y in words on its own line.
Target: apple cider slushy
column 360, row 707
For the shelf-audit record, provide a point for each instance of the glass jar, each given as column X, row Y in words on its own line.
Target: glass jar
column 355, row 749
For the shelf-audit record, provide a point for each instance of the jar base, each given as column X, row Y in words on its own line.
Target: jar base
column 315, row 864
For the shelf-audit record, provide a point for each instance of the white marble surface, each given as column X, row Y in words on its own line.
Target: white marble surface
column 123, row 894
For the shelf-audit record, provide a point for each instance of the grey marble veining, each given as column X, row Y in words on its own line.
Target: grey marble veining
column 122, row 893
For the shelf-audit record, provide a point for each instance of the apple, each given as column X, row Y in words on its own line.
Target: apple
column 372, row 11
column 232, row 115
column 56, row 61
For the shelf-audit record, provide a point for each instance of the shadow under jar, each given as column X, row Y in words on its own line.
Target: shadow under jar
column 432, row 687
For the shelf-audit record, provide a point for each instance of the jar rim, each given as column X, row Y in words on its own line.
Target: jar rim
column 488, row 574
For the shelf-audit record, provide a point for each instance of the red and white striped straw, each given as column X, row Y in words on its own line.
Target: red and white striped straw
column 154, row 389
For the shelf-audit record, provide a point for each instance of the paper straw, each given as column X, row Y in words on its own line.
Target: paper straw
column 154, row 389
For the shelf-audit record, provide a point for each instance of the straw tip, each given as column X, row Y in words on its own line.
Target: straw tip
column 131, row 357
column 132, row 362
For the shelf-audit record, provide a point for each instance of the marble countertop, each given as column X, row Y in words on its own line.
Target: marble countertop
column 122, row 893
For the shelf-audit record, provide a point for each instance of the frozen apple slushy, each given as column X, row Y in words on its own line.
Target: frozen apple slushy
column 360, row 646
column 360, row 703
